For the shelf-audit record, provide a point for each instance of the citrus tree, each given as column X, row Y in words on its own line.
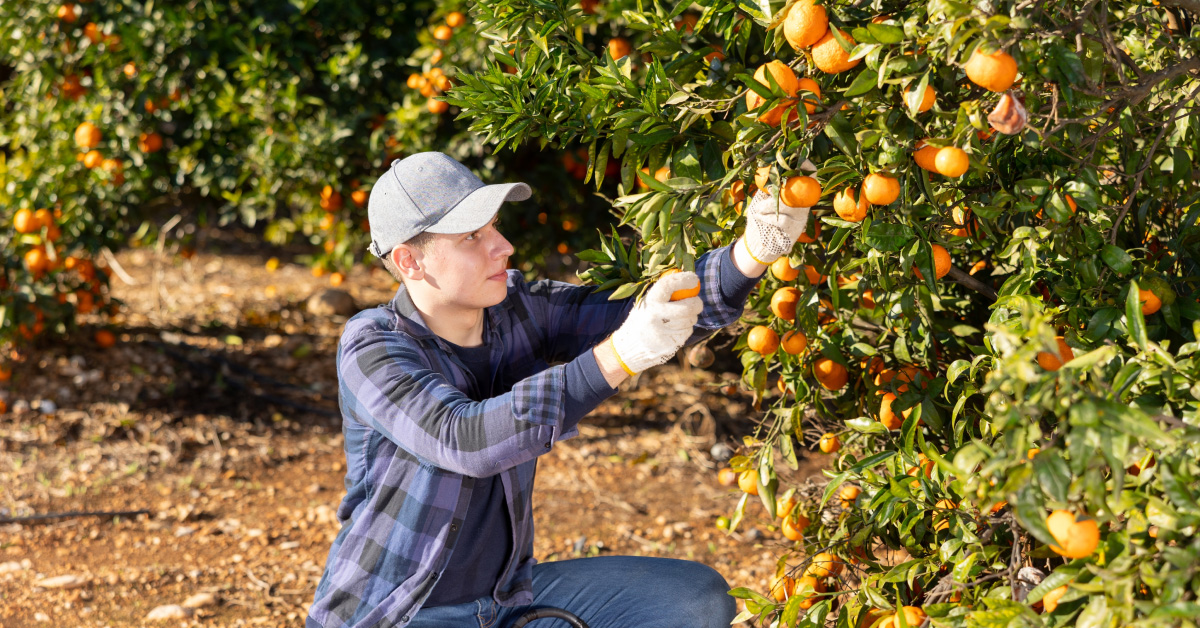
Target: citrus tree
column 993, row 319
column 279, row 115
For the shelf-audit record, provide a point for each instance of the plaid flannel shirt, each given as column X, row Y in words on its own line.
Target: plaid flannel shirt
column 415, row 442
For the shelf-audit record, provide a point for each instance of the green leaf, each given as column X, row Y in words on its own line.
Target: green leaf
column 886, row 33
column 1117, row 259
column 1133, row 316
column 863, row 83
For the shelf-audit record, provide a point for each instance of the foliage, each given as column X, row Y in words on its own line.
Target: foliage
column 1050, row 230
column 278, row 114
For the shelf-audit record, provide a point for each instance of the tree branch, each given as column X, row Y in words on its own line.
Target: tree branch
column 967, row 281
column 1137, row 182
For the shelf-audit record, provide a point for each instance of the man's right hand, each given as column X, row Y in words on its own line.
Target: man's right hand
column 657, row 326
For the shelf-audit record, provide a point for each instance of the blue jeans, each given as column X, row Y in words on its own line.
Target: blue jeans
column 606, row 592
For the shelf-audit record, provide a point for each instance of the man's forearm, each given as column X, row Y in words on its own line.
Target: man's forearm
column 609, row 364
column 743, row 261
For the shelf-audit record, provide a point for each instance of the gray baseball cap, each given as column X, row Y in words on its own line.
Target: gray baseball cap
column 432, row 192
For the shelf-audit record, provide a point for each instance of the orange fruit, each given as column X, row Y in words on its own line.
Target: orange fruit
column 763, row 340
column 782, row 587
column 5, row 373
column 951, row 161
column 727, row 477
column 1075, row 538
column 737, row 191
column 794, row 342
column 685, row 293
column 848, row 494
column 1052, row 362
column 25, row 222
column 92, row 159
column 150, row 142
column 414, row 81
column 880, row 189
column 868, row 299
column 67, row 13
column 924, row 465
column 830, row 374
column 815, row 227
column 36, row 261
column 785, row 78
column 941, row 521
column 806, row 23
column 1150, row 301
column 1050, row 600
column 783, row 271
column 92, row 32
column 872, row 615
column 748, row 482
column 829, row 56
column 784, row 506
column 443, row 32
column 455, row 19
column 809, row 85
column 437, row 106
column 829, row 443
column 926, row 101
column 783, row 303
column 995, row 71
column 105, row 339
column 87, row 135
column 793, row 527
column 941, row 262
column 800, row 191
column 887, row 416
column 913, row 617
column 810, row 586
column 619, row 47
column 129, row 70
column 336, row 279
column 359, row 197
column 847, row 208
column 926, row 156
column 824, row 565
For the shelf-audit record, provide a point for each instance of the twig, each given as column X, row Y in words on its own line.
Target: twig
column 1173, row 422
column 1137, row 182
column 51, row 516
column 967, row 281
column 116, row 266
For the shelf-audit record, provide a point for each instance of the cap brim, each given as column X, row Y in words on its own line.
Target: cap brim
column 477, row 209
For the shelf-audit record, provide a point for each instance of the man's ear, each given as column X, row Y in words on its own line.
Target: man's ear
column 406, row 260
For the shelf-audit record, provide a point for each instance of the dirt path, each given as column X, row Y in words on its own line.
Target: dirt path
column 216, row 414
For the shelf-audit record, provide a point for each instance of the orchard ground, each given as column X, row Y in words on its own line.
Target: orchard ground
column 215, row 412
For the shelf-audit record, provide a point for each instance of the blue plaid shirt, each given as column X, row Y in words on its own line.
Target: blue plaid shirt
column 415, row 443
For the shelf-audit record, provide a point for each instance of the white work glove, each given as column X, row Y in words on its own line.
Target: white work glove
column 657, row 327
column 772, row 227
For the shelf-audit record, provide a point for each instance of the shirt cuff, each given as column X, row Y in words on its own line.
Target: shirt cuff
column 586, row 388
column 735, row 286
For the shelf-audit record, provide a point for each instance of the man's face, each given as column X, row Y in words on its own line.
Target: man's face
column 467, row 269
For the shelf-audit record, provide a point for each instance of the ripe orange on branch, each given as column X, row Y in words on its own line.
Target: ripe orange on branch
column 996, row 71
column 829, row 56
column 941, row 262
column 922, row 103
column 785, row 78
column 849, row 208
column 763, row 340
column 829, row 443
column 806, row 23
column 1052, row 362
column 1075, row 538
column 880, row 189
column 794, row 342
column 783, row 303
column 783, row 271
column 800, row 191
column 830, row 374
column 87, row 135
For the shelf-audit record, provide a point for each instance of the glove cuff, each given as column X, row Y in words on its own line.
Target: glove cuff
column 620, row 360
column 746, row 245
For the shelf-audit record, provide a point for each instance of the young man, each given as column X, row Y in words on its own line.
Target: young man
column 448, row 398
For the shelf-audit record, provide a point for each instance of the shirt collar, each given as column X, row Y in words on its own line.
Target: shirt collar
column 415, row 324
